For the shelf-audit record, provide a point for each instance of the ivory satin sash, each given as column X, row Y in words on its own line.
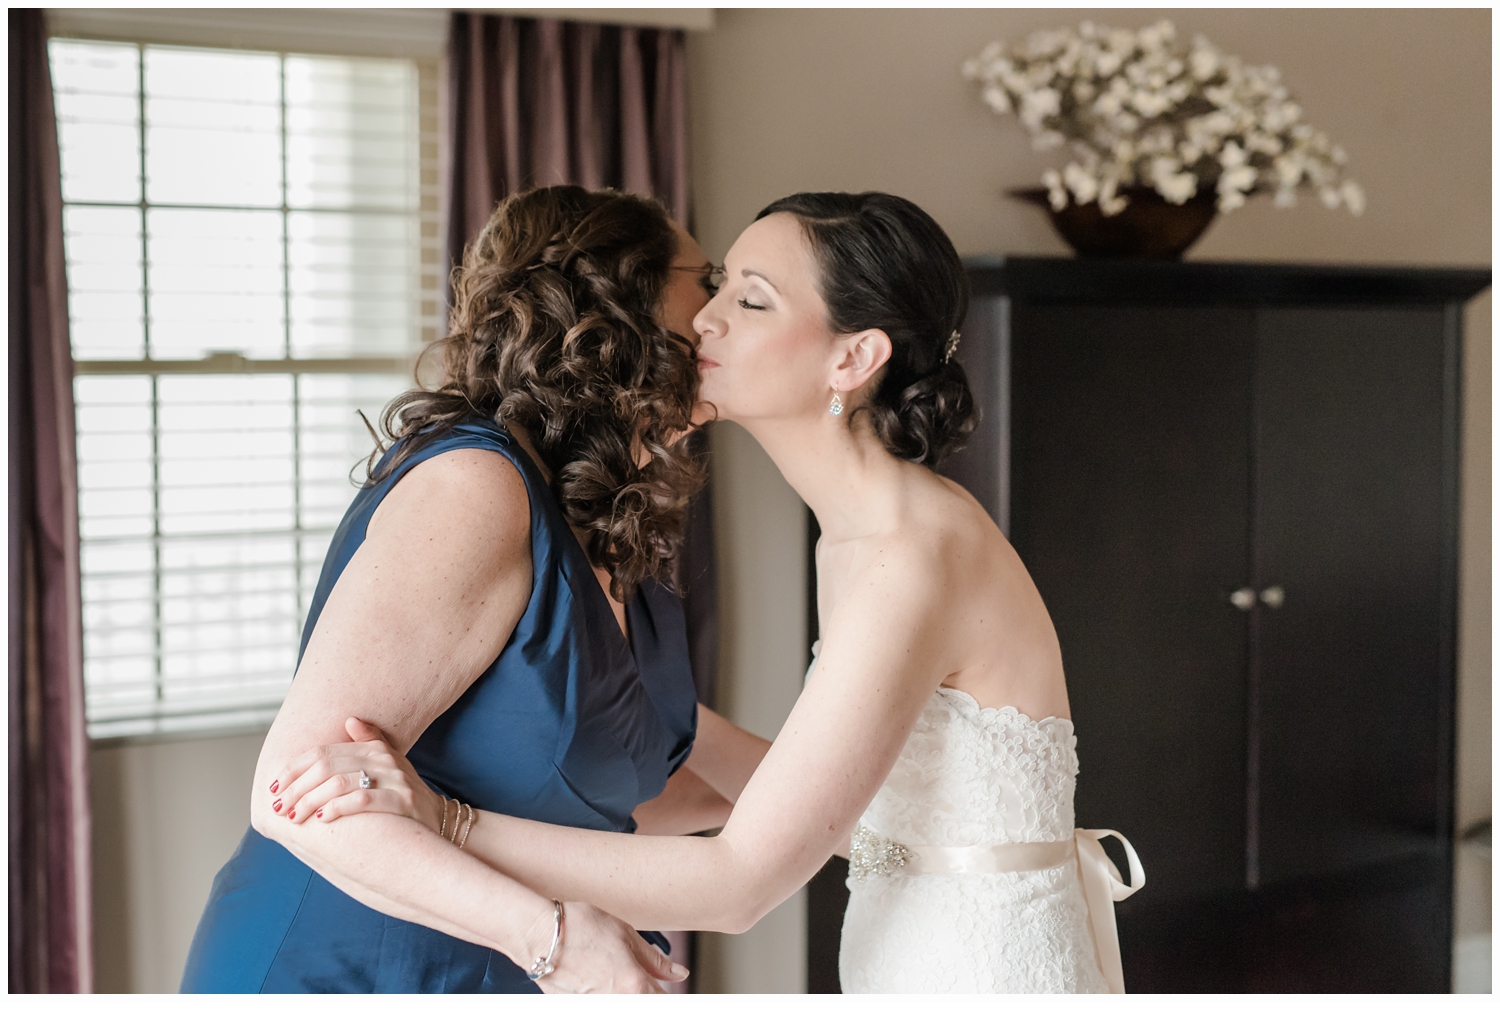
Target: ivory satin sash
column 1102, row 884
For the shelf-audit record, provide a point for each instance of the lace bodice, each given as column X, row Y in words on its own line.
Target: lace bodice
column 970, row 776
column 973, row 777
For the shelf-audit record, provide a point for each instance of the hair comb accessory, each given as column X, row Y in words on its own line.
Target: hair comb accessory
column 952, row 346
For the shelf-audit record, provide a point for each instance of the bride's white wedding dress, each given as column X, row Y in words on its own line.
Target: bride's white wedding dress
column 964, row 876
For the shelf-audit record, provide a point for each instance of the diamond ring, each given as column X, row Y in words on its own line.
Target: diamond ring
column 364, row 780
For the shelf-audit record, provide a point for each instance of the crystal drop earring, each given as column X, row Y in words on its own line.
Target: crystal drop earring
column 836, row 407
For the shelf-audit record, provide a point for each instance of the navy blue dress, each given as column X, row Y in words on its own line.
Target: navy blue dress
column 571, row 725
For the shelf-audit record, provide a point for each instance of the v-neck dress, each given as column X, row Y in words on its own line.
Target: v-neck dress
column 571, row 725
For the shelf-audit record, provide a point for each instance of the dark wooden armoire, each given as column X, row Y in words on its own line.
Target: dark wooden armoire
column 1236, row 487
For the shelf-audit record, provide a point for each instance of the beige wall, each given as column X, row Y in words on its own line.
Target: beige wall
column 166, row 817
column 787, row 100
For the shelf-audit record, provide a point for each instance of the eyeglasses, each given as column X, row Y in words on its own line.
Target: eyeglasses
column 713, row 276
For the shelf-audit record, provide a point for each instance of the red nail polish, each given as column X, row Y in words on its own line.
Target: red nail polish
column 276, row 806
column 292, row 813
column 320, row 812
column 274, row 784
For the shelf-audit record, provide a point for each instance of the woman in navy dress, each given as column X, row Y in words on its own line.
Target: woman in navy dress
column 494, row 600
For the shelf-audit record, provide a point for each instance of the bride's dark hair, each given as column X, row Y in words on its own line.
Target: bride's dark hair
column 884, row 264
column 554, row 330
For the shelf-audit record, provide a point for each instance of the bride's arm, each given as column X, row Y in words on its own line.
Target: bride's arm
column 423, row 607
column 882, row 657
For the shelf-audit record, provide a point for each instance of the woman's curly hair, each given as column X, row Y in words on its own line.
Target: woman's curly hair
column 554, row 331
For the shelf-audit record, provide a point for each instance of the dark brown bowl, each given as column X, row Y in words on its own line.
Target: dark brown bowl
column 1148, row 228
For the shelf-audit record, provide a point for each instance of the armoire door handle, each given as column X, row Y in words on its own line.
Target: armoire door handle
column 1243, row 598
column 1273, row 596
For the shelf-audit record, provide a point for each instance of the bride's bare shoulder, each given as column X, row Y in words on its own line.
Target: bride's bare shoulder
column 941, row 534
column 943, row 516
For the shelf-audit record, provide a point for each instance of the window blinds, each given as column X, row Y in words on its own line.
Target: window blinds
column 252, row 246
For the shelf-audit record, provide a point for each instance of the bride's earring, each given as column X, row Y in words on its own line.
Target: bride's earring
column 836, row 407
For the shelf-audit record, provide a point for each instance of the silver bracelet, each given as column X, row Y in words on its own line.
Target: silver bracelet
column 544, row 966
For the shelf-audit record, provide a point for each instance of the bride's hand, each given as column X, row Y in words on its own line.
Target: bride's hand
column 323, row 784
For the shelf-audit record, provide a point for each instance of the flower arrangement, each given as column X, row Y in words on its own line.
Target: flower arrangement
column 1136, row 108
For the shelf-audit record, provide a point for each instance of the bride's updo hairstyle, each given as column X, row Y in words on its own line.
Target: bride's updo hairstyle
column 884, row 264
column 554, row 330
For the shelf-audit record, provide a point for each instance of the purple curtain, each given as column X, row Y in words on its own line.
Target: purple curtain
column 538, row 102
column 50, row 915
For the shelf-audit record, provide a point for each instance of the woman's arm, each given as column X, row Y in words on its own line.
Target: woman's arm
column 724, row 755
column 423, row 607
column 687, row 805
column 702, row 794
column 882, row 657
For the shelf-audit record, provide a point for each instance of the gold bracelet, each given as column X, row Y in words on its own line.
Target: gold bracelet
column 470, row 816
column 457, row 807
column 443, row 827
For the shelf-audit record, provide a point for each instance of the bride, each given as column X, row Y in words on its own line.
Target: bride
column 932, row 741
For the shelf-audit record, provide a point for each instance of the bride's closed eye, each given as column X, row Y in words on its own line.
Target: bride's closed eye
column 746, row 304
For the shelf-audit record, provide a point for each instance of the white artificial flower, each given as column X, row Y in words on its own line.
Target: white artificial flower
column 1354, row 197
column 1110, row 201
column 1220, row 95
column 1233, row 156
column 1057, row 196
column 1038, row 105
column 1289, row 170
column 1081, row 182
column 1140, row 108
column 1263, row 143
column 1218, row 123
column 1175, row 185
column 1047, row 140
column 997, row 98
column 1150, row 103
column 1157, row 35
column 1241, row 179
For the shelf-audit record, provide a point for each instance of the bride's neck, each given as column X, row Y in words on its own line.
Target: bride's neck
column 843, row 472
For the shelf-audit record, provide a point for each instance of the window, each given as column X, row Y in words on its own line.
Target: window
column 252, row 247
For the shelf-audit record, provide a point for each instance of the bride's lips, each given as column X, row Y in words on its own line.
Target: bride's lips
column 705, row 362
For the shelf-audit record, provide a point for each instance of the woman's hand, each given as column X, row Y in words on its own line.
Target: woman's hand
column 601, row 953
column 324, row 783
